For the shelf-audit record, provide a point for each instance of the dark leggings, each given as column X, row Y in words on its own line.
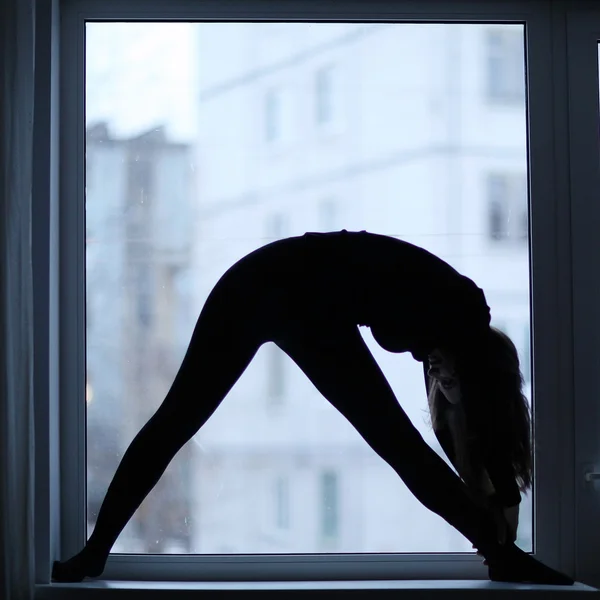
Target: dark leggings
column 337, row 361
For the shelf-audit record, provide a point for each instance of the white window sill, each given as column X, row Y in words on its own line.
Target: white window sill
column 420, row 589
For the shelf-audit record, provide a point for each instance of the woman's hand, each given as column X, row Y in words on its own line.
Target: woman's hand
column 507, row 523
column 502, row 528
column 511, row 514
column 442, row 368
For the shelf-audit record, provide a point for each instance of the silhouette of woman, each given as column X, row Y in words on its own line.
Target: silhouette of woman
column 308, row 295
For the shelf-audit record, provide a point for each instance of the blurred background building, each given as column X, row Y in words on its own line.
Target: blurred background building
column 138, row 266
column 415, row 131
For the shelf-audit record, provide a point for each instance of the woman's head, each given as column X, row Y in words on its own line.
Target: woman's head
column 496, row 410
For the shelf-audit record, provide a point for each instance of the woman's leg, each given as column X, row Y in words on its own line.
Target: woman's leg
column 220, row 350
column 342, row 368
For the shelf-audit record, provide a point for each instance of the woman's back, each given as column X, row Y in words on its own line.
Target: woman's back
column 368, row 279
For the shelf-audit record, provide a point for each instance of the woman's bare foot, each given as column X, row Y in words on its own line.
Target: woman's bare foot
column 514, row 565
column 77, row 568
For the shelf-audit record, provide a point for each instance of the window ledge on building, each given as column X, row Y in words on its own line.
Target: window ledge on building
column 357, row 590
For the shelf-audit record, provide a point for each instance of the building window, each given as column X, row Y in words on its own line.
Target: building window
column 327, row 215
column 276, row 227
column 275, row 375
column 282, row 503
column 508, row 211
column 145, row 296
column 505, row 67
column 275, row 230
column 324, row 89
column 273, row 115
column 329, row 505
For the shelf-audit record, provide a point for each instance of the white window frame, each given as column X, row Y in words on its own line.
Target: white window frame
column 562, row 182
column 583, row 35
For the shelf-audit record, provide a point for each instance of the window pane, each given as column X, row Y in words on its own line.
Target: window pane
column 272, row 115
column 324, row 95
column 282, row 510
column 329, row 505
column 193, row 162
column 327, row 214
column 508, row 207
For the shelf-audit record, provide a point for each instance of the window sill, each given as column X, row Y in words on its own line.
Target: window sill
column 421, row 589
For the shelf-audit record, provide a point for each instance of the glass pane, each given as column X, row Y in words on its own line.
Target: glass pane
column 411, row 130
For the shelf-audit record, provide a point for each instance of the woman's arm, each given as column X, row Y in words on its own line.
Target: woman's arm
column 449, row 427
column 462, row 450
column 507, row 495
column 502, row 476
column 490, row 480
column 474, row 471
column 444, row 437
column 488, row 475
column 486, row 471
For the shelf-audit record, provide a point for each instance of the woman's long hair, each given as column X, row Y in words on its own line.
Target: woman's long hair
column 496, row 410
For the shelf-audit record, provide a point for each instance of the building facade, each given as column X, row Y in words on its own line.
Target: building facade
column 138, row 275
column 415, row 131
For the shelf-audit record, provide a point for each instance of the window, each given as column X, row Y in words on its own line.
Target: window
column 505, row 66
column 508, row 220
column 282, row 503
column 172, row 199
column 144, row 297
column 276, row 359
column 329, row 505
column 328, row 220
column 324, row 95
column 273, row 115
column 276, row 375
column 276, row 227
column 379, row 161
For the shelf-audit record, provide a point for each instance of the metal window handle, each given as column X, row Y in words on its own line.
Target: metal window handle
column 592, row 476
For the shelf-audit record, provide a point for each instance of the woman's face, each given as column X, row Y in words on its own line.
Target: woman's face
column 441, row 364
column 442, row 367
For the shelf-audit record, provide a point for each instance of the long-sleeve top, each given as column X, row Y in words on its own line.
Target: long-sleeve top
column 410, row 298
